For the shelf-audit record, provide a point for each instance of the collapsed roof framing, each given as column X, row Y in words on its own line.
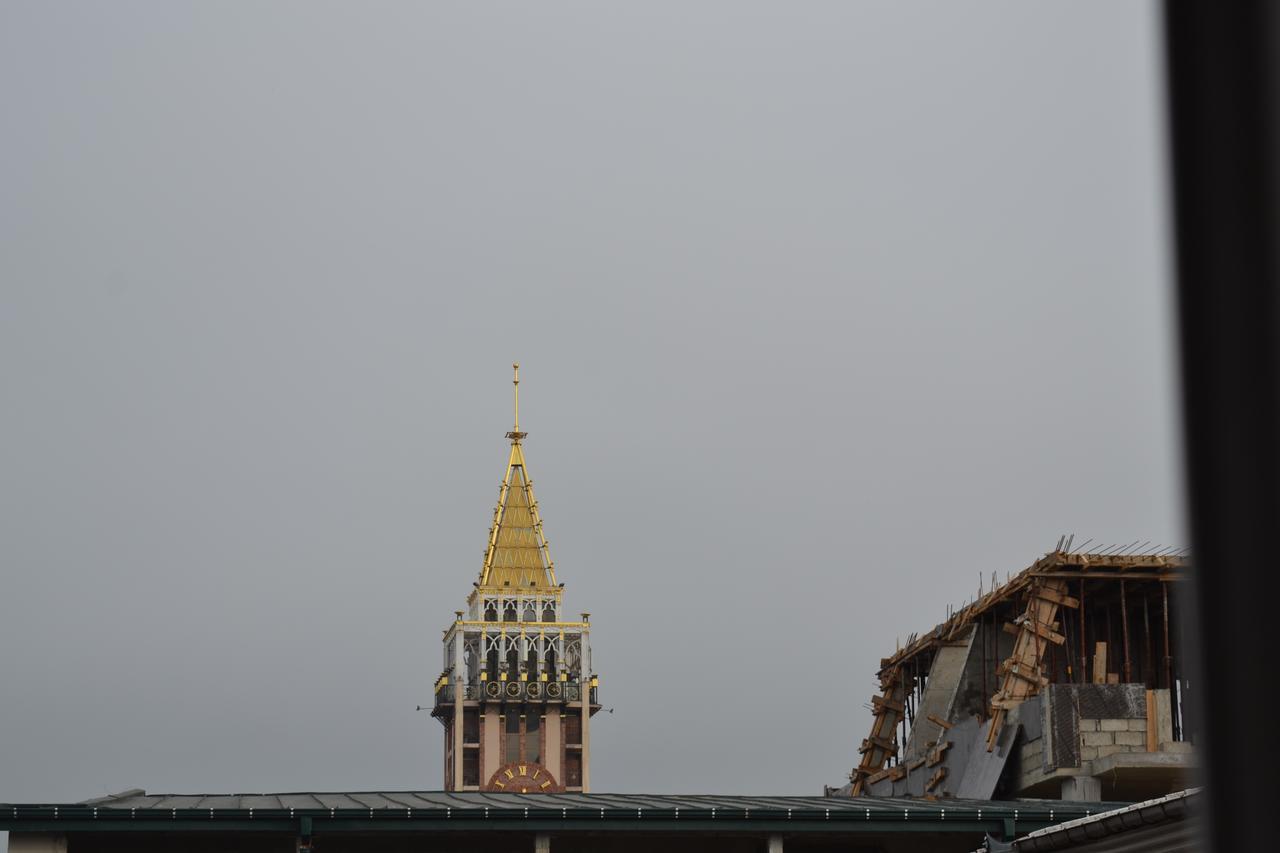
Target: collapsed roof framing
column 1064, row 612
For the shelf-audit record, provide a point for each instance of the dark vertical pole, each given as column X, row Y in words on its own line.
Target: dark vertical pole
column 1084, row 645
column 1051, row 664
column 1124, row 631
column 1168, row 658
column 1148, row 658
column 1111, row 646
column 1068, row 650
column 995, row 654
column 1224, row 94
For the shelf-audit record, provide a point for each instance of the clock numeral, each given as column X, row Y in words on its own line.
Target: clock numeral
column 500, row 784
column 524, row 770
column 537, row 773
column 546, row 784
column 508, row 773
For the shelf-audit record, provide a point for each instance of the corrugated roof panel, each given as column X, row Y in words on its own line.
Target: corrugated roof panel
column 259, row 801
column 562, row 801
column 232, row 801
column 609, row 801
column 419, row 800
column 142, row 801
column 176, row 801
column 402, row 800
column 648, row 801
column 300, row 801
column 449, row 799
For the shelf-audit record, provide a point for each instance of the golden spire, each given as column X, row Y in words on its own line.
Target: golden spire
column 517, row 557
column 515, row 435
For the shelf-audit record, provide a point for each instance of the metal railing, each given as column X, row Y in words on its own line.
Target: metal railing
column 553, row 692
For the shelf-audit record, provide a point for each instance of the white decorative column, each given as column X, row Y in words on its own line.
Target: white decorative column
column 459, row 694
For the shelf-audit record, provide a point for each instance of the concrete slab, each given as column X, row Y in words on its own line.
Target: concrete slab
column 945, row 678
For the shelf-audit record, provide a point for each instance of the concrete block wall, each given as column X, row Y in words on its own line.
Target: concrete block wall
column 1100, row 738
column 1037, row 759
column 1030, row 762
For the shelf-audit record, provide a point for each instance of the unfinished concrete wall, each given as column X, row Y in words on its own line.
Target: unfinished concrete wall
column 989, row 648
column 946, row 679
column 956, row 689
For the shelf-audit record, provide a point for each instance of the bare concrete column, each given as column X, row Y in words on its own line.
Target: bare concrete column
column 455, row 772
column 37, row 842
column 490, row 744
column 551, row 760
column 1082, row 789
column 775, row 843
column 542, row 843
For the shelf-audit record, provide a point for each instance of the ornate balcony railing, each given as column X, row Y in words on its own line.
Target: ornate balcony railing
column 551, row 692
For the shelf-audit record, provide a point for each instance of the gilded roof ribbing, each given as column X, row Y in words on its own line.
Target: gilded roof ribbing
column 517, row 556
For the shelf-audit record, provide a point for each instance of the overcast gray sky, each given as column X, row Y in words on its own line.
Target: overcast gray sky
column 824, row 309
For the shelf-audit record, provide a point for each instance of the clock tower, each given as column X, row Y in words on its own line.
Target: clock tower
column 517, row 691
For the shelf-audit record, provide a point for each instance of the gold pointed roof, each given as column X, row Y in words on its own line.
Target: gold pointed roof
column 517, row 558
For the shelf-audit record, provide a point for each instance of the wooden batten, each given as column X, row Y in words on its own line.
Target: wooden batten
column 938, row 721
column 1100, row 663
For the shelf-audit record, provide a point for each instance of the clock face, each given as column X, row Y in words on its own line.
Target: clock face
column 523, row 777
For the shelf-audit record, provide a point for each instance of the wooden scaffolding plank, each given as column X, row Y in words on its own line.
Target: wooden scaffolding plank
column 1022, row 673
column 881, row 745
column 1060, row 598
column 938, row 721
column 935, row 755
column 878, row 701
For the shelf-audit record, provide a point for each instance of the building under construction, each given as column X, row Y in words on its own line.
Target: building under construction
column 1066, row 682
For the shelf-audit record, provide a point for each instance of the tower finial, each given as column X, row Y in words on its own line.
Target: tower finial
column 515, row 435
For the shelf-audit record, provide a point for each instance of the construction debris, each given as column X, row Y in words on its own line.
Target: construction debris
column 978, row 684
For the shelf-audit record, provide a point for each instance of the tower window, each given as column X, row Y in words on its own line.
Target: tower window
column 471, row 725
column 532, row 738
column 573, row 727
column 470, row 767
column 573, row 769
column 512, row 751
column 548, row 612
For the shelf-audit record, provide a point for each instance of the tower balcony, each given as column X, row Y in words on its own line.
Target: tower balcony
column 538, row 692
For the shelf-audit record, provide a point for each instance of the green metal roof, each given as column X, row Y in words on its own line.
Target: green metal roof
column 438, row 811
